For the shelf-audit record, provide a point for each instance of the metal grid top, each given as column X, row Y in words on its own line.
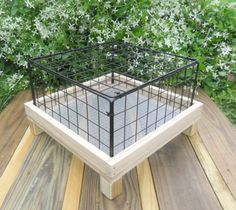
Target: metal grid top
column 83, row 64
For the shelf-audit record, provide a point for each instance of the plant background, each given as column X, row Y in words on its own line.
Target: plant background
column 204, row 29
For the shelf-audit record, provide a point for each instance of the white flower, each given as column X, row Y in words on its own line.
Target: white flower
column 222, row 65
column 205, row 24
column 135, row 23
column 107, row 5
column 225, row 35
column 215, row 2
column 131, row 68
column 226, row 50
column 71, row 27
column 114, row 10
column 13, row 79
column 18, row 57
column 29, row 4
column 160, row 45
column 141, row 41
column 218, row 34
column 209, row 68
column 232, row 5
column 100, row 39
column 167, row 42
column 126, row 39
column 82, row 28
column 1, row 12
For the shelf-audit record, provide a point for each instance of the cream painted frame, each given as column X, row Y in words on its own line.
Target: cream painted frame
column 111, row 169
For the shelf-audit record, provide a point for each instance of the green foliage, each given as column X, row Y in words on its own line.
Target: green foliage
column 10, row 85
column 204, row 29
column 227, row 102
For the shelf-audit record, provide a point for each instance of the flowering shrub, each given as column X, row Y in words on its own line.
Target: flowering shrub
column 204, row 29
column 195, row 28
column 10, row 85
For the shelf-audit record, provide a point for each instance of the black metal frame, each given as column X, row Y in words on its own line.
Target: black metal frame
column 52, row 75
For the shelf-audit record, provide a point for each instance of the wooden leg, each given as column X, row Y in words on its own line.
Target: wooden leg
column 110, row 190
column 35, row 129
column 191, row 130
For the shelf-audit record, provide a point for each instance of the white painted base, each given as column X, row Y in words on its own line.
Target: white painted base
column 110, row 189
column 192, row 130
column 111, row 169
column 34, row 129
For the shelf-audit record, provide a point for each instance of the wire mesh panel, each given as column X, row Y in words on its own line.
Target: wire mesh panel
column 113, row 94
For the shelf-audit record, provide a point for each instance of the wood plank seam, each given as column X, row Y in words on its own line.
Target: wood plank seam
column 154, row 186
column 218, row 135
column 15, row 164
column 74, row 185
column 113, row 168
column 216, row 180
column 146, row 187
column 111, row 190
column 13, row 124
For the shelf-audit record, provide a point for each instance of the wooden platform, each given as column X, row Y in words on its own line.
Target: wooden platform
column 188, row 173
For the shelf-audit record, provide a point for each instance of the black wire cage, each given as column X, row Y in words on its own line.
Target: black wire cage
column 113, row 94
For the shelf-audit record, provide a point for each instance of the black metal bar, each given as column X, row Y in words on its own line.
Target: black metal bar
column 195, row 83
column 31, row 82
column 125, row 110
column 87, row 114
column 99, row 123
column 74, row 82
column 112, row 77
column 68, row 51
column 149, row 92
column 150, row 82
column 193, row 62
column 111, row 115
column 136, row 116
column 112, row 65
column 156, row 76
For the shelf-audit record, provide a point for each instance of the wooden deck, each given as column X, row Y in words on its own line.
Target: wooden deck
column 186, row 174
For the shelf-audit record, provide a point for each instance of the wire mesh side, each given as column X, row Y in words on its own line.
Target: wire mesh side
column 85, row 113
column 85, row 64
column 112, row 95
column 143, row 111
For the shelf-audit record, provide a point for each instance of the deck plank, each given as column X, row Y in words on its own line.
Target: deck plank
column 13, row 124
column 218, row 184
column 15, row 164
column 179, row 179
column 146, row 186
column 41, row 182
column 219, row 137
column 92, row 198
column 74, row 185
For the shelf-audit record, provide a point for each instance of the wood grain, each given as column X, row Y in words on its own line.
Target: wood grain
column 146, row 186
column 142, row 149
column 15, row 164
column 219, row 186
column 41, row 182
column 191, row 130
column 111, row 190
column 219, row 137
column 83, row 149
column 74, row 185
column 92, row 198
column 34, row 128
column 179, row 179
column 113, row 168
column 13, row 124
